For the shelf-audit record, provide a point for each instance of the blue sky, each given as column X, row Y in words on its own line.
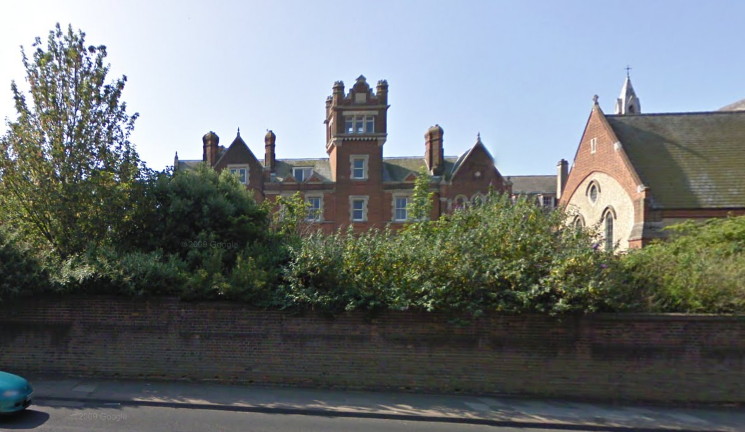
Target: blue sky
column 520, row 73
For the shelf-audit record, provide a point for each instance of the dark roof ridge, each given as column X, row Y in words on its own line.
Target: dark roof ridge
column 301, row 159
column 415, row 157
column 690, row 113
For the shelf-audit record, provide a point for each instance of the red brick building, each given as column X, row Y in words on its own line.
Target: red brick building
column 633, row 173
column 355, row 185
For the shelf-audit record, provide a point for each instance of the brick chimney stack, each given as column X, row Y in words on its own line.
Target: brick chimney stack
column 209, row 153
column 382, row 92
column 562, row 173
column 270, row 158
column 433, row 150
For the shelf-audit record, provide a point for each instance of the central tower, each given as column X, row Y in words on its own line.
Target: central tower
column 356, row 124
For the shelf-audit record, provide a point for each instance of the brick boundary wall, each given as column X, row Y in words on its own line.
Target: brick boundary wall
column 667, row 358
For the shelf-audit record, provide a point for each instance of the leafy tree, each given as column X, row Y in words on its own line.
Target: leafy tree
column 66, row 162
column 196, row 211
column 289, row 215
column 421, row 198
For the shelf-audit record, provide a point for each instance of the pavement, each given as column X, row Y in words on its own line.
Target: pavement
column 495, row 411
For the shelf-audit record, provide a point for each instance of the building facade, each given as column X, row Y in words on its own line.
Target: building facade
column 634, row 174
column 356, row 185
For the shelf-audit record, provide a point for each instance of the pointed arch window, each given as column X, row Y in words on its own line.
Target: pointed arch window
column 578, row 222
column 460, row 202
column 477, row 199
column 609, row 217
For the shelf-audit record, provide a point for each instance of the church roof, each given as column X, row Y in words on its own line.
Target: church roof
column 688, row 160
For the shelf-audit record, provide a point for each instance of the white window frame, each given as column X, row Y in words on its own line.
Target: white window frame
column 235, row 170
column 307, row 172
column 593, row 145
column 314, row 214
column 358, row 198
column 359, row 124
column 352, row 159
column 396, row 208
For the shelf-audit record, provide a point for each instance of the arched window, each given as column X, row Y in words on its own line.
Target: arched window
column 608, row 220
column 578, row 222
column 460, row 202
column 477, row 199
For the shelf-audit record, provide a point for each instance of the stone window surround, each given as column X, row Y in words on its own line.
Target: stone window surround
column 313, row 210
column 395, row 208
column 589, row 192
column 359, row 123
column 364, row 159
column 358, row 198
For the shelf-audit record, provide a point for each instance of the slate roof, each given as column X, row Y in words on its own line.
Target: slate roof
column 736, row 106
column 188, row 164
column 321, row 168
column 688, row 160
column 396, row 169
column 533, row 184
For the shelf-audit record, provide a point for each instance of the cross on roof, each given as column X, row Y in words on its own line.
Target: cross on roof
column 628, row 68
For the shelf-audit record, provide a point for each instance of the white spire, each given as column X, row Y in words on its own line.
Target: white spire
column 628, row 103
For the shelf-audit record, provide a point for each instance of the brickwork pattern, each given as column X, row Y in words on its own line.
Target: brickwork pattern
column 636, row 357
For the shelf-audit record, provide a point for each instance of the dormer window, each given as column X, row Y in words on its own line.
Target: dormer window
column 359, row 124
column 302, row 174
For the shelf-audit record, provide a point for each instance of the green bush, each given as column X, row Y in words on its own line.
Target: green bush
column 499, row 256
column 700, row 269
column 345, row 271
column 21, row 271
column 107, row 271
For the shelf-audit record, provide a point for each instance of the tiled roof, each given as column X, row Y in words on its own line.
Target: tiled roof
column 533, row 184
column 688, row 160
column 188, row 164
column 397, row 169
column 321, row 167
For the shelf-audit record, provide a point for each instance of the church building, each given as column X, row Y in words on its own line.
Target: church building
column 634, row 173
column 356, row 185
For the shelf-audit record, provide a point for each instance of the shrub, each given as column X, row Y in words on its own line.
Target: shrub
column 700, row 269
column 498, row 256
column 107, row 271
column 21, row 271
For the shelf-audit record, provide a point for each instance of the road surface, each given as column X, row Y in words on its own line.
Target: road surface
column 60, row 416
